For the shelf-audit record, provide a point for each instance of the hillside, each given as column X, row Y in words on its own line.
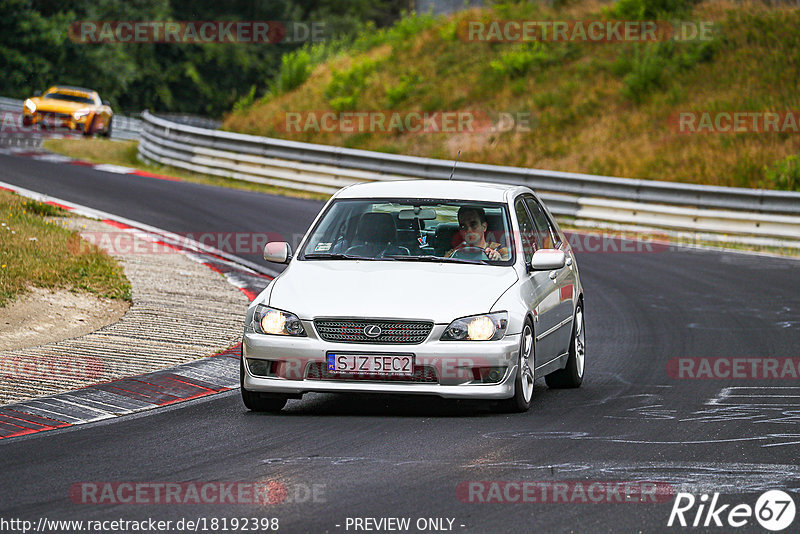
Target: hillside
column 609, row 108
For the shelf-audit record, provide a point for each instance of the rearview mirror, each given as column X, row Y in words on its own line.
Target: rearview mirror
column 548, row 259
column 278, row 252
column 426, row 214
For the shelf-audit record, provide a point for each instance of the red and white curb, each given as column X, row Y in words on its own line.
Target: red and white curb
column 184, row 382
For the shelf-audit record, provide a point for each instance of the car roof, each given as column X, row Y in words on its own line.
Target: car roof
column 72, row 88
column 422, row 188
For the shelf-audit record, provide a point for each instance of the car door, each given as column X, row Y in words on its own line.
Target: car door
column 537, row 289
column 563, row 279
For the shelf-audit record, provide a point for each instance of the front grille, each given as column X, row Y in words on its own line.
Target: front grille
column 392, row 332
column 422, row 373
column 52, row 115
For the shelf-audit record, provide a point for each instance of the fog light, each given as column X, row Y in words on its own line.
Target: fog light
column 491, row 375
column 259, row 367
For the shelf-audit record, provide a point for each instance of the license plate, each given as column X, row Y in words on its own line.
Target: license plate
column 372, row 364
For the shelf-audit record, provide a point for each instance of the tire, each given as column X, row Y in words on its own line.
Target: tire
column 259, row 402
column 89, row 128
column 571, row 376
column 107, row 132
column 523, row 382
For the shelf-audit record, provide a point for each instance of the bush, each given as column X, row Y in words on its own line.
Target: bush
column 246, row 101
column 518, row 61
column 345, row 86
column 404, row 88
column 650, row 65
column 648, row 9
column 783, row 175
column 294, row 71
column 647, row 73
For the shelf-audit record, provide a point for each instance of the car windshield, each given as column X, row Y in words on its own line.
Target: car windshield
column 70, row 98
column 412, row 230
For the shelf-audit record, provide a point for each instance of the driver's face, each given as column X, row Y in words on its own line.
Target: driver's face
column 472, row 229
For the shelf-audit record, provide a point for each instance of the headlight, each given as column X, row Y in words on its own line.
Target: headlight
column 487, row 327
column 30, row 106
column 81, row 113
column 268, row 320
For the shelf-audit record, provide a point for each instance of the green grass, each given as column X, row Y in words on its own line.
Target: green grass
column 36, row 252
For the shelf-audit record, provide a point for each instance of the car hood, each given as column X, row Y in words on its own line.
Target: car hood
column 59, row 106
column 439, row 292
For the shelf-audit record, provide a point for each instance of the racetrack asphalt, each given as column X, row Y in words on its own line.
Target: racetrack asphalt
column 369, row 456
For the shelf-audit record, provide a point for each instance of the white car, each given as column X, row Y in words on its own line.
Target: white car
column 450, row 288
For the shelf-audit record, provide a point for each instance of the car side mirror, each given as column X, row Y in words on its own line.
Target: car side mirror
column 548, row 259
column 106, row 103
column 278, row 252
column 37, row 93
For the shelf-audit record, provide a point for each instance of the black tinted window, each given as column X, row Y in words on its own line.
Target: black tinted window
column 546, row 236
column 69, row 98
column 527, row 232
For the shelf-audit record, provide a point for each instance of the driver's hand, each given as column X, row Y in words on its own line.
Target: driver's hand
column 491, row 253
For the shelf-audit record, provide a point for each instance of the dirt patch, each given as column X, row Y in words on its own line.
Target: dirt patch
column 44, row 316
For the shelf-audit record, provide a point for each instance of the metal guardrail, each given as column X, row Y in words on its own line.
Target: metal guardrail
column 741, row 213
column 123, row 127
column 192, row 120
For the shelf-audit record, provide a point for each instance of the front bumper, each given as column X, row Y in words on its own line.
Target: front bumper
column 52, row 120
column 450, row 366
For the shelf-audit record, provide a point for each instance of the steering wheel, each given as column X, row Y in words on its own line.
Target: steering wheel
column 470, row 253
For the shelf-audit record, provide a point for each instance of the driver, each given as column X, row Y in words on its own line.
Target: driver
column 472, row 229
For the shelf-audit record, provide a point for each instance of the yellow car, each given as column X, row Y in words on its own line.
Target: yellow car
column 76, row 108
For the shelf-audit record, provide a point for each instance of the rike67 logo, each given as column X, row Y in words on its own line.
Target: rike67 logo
column 774, row 511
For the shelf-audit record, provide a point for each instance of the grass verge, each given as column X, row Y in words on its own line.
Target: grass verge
column 124, row 153
column 37, row 252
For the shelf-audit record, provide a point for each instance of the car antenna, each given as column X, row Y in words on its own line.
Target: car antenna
column 454, row 165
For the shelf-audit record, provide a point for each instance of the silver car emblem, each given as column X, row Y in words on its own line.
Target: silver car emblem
column 372, row 330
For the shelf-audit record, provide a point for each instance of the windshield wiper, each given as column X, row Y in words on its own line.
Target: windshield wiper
column 340, row 256
column 436, row 259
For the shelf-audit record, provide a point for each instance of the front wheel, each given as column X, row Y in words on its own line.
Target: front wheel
column 259, row 402
column 89, row 129
column 571, row 376
column 523, row 383
column 107, row 132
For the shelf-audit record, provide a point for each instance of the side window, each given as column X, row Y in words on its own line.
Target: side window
column 547, row 236
column 527, row 232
